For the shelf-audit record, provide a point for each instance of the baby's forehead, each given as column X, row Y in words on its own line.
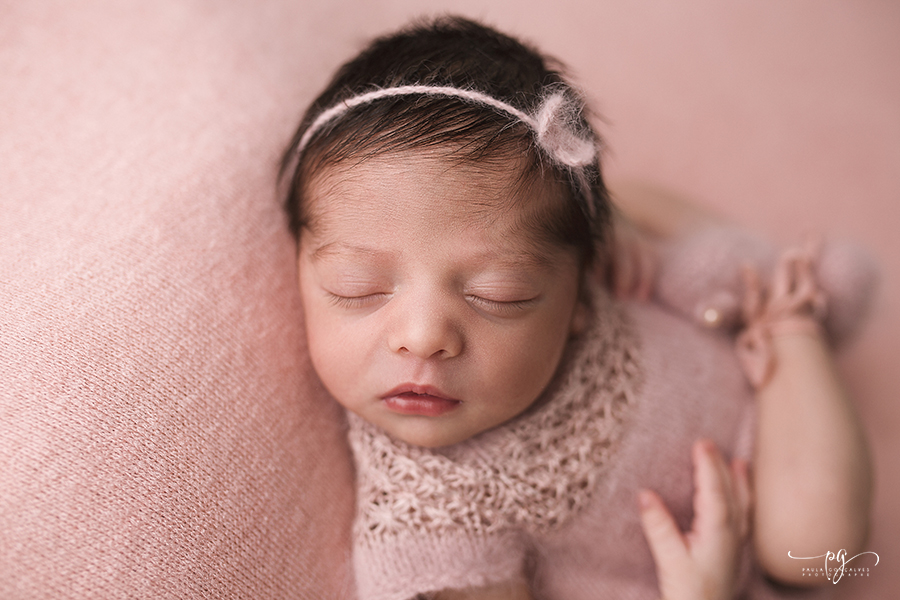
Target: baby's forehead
column 496, row 174
column 461, row 192
column 410, row 197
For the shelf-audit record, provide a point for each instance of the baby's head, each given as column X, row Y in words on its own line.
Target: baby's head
column 447, row 201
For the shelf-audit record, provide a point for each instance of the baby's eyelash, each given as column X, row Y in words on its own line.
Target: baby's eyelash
column 501, row 306
column 354, row 301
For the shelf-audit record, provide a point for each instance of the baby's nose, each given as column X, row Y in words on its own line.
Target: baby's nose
column 426, row 329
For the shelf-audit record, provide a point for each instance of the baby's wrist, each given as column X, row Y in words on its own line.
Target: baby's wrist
column 796, row 325
column 791, row 305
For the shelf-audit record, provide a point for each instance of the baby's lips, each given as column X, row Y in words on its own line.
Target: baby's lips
column 419, row 390
column 423, row 405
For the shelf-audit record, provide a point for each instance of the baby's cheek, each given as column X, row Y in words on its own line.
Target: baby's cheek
column 524, row 370
column 329, row 357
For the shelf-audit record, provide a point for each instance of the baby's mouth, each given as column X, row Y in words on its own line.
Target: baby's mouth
column 425, row 401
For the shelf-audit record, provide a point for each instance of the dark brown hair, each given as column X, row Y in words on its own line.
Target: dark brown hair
column 460, row 53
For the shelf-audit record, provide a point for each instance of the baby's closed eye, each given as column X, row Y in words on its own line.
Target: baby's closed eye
column 357, row 301
column 502, row 297
column 502, row 307
column 351, row 291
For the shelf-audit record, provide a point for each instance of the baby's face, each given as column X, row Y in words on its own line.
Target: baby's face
column 428, row 312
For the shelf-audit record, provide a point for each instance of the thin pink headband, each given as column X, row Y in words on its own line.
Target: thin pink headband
column 552, row 124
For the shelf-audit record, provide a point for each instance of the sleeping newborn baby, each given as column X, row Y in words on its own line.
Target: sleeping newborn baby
column 506, row 410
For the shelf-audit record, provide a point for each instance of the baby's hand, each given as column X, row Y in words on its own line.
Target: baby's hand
column 703, row 563
column 634, row 260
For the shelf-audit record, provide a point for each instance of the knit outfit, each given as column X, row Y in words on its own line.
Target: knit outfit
column 551, row 494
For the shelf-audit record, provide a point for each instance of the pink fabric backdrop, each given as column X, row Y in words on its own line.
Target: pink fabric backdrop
column 160, row 433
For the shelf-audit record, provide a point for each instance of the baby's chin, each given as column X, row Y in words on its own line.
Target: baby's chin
column 424, row 432
column 432, row 432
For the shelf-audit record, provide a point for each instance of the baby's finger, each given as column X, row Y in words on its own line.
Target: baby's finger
column 740, row 475
column 663, row 535
column 713, row 497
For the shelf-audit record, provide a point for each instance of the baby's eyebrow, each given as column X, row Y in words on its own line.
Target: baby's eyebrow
column 512, row 260
column 527, row 259
column 337, row 248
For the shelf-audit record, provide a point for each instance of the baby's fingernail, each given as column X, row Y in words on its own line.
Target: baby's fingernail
column 709, row 447
column 701, row 447
column 645, row 499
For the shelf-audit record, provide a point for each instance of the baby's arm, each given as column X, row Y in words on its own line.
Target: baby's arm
column 812, row 470
column 702, row 564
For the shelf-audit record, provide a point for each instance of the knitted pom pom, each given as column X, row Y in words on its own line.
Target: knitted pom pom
column 700, row 276
column 848, row 275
